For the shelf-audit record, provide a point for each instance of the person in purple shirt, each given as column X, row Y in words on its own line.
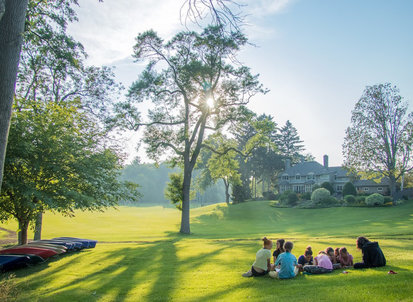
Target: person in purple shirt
column 322, row 265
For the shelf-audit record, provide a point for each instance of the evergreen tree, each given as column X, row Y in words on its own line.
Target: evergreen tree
column 289, row 143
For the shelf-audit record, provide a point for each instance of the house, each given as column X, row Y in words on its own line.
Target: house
column 302, row 177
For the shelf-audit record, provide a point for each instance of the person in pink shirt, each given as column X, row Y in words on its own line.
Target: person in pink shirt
column 322, row 265
column 346, row 259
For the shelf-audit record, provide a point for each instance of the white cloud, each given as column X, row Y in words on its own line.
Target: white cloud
column 108, row 30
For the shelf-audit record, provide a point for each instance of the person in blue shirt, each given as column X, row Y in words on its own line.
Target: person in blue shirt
column 288, row 267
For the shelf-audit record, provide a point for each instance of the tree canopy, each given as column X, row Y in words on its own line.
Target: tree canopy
column 379, row 140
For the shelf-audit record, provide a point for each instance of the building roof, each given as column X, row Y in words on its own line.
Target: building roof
column 307, row 167
column 370, row 182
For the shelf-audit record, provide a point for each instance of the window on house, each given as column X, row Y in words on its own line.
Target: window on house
column 285, row 177
column 379, row 189
column 339, row 188
column 366, row 189
column 297, row 177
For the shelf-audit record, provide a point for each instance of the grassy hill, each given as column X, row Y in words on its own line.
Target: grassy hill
column 141, row 257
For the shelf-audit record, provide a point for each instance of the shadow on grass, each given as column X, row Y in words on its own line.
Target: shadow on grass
column 113, row 275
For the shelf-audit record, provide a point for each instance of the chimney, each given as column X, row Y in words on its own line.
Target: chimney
column 287, row 163
column 325, row 158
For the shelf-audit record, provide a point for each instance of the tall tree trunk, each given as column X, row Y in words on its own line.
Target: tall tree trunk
column 226, row 183
column 38, row 226
column 11, row 38
column 392, row 186
column 185, row 226
column 22, row 232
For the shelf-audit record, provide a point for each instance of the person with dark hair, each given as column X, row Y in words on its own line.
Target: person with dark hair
column 307, row 258
column 279, row 249
column 322, row 264
column 288, row 264
column 262, row 263
column 372, row 254
column 345, row 258
column 330, row 253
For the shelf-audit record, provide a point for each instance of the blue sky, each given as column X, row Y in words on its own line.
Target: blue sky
column 315, row 56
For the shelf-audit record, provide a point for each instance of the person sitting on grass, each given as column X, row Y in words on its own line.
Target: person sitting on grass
column 372, row 254
column 279, row 249
column 337, row 254
column 262, row 264
column 345, row 259
column 306, row 259
column 288, row 264
column 322, row 264
column 330, row 253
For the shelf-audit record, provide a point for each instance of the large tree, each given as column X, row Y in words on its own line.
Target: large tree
column 12, row 17
column 196, row 89
column 56, row 160
column 380, row 137
column 12, row 21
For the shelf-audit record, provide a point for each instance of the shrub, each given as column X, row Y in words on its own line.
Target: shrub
column 8, row 288
column 388, row 199
column 305, row 196
column 360, row 199
column 315, row 187
column 375, row 199
column 269, row 195
column 321, row 196
column 349, row 189
column 328, row 186
column 289, row 198
column 350, row 199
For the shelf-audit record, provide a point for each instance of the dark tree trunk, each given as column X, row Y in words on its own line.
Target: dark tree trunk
column 11, row 30
column 22, row 232
column 392, row 179
column 185, row 226
column 38, row 226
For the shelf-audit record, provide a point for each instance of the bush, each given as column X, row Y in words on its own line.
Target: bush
column 350, row 199
column 289, row 198
column 349, row 189
column 305, row 196
column 375, row 199
column 316, row 186
column 360, row 199
column 269, row 195
column 388, row 199
column 328, row 186
column 321, row 196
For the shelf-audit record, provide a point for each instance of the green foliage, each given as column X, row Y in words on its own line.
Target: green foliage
column 289, row 143
column 316, row 186
column 174, row 189
column 349, row 189
column 288, row 198
column 380, row 136
column 56, row 160
column 327, row 185
column 375, row 199
column 239, row 194
column 321, row 196
column 387, row 199
column 269, row 195
column 351, row 199
column 305, row 196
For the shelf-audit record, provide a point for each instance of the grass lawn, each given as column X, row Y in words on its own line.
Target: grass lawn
column 141, row 257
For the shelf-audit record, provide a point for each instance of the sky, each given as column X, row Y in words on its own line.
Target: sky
column 315, row 56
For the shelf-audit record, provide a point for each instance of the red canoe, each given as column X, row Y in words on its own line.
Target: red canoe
column 44, row 253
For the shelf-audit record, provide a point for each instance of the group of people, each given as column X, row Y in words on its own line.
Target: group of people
column 286, row 266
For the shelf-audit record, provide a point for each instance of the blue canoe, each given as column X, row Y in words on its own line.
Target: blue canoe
column 87, row 243
column 11, row 262
column 33, row 259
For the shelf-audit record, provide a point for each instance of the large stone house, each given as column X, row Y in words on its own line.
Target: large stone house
column 301, row 178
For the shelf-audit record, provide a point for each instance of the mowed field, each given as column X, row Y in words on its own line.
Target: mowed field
column 142, row 257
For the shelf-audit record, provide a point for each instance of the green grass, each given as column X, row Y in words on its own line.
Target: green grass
column 141, row 257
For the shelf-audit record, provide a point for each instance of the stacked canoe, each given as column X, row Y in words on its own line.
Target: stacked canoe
column 38, row 251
